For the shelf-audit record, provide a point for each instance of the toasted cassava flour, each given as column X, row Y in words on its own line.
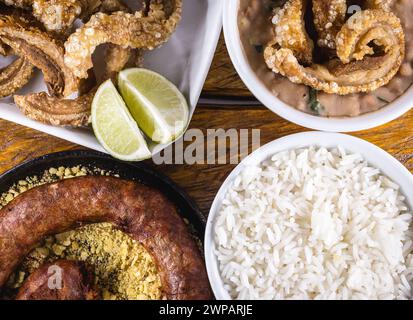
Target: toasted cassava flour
column 314, row 224
column 122, row 267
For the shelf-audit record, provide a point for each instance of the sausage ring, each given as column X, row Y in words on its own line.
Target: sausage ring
column 143, row 213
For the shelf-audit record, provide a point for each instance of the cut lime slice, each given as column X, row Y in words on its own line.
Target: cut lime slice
column 114, row 126
column 156, row 104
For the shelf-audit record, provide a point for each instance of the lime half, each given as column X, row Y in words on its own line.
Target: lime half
column 156, row 104
column 114, row 126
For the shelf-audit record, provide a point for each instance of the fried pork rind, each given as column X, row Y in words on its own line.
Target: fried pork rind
column 59, row 15
column 329, row 16
column 118, row 58
column 58, row 111
column 379, row 4
column 364, row 27
column 126, row 35
column 123, row 29
column 357, row 70
column 41, row 50
column 75, row 112
column 19, row 72
column 24, row 4
column 290, row 30
column 14, row 76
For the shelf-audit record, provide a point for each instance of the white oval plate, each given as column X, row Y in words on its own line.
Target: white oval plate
column 348, row 124
column 373, row 154
column 185, row 60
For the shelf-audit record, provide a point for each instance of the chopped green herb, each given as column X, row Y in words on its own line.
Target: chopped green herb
column 313, row 102
column 259, row 48
column 382, row 99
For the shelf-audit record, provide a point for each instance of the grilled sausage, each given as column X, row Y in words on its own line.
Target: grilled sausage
column 60, row 280
column 143, row 213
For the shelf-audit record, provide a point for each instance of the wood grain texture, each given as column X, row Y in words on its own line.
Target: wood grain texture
column 222, row 78
column 18, row 143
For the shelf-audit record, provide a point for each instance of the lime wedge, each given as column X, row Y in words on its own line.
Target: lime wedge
column 114, row 126
column 156, row 104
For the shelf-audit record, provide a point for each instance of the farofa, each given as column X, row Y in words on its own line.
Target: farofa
column 122, row 266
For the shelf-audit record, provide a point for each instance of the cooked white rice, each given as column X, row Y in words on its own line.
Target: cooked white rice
column 314, row 224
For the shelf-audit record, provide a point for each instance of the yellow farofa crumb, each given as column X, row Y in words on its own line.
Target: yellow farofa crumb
column 123, row 268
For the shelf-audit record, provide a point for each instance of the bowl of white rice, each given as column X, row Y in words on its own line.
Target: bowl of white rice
column 313, row 215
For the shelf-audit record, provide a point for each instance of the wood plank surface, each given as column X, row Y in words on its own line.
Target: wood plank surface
column 19, row 144
column 222, row 78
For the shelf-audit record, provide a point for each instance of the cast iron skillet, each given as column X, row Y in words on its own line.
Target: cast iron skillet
column 131, row 171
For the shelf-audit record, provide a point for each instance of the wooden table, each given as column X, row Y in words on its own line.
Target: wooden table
column 19, row 143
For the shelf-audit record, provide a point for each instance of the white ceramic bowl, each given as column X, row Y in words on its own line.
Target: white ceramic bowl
column 373, row 154
column 254, row 84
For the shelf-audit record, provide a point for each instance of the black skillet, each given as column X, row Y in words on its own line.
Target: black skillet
column 132, row 171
